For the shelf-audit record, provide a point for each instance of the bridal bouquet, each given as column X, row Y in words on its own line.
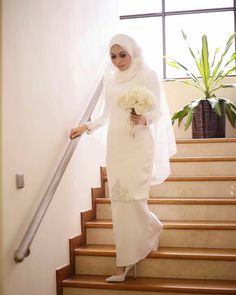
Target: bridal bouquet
column 138, row 100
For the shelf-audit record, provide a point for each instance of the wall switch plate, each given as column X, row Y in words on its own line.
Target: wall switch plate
column 20, row 181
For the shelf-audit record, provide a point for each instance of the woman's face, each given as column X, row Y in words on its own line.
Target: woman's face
column 120, row 58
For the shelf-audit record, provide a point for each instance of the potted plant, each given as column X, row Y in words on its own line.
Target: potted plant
column 207, row 114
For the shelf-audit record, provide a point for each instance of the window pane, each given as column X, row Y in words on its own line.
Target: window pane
column 173, row 5
column 139, row 6
column 148, row 34
column 217, row 26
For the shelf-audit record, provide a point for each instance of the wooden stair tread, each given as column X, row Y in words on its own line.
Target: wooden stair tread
column 172, row 224
column 184, row 201
column 204, row 159
column 164, row 252
column 205, row 140
column 201, row 178
column 201, row 158
column 196, row 178
column 154, row 284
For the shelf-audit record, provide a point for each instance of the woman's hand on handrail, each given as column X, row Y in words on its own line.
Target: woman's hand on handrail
column 75, row 132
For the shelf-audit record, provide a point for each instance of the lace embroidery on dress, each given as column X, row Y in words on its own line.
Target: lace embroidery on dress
column 119, row 193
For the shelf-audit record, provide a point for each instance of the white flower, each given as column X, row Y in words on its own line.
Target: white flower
column 138, row 99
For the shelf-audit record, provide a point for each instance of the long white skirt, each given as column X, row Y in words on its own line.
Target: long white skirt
column 129, row 168
column 136, row 231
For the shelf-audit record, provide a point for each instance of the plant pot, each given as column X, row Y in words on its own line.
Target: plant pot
column 206, row 123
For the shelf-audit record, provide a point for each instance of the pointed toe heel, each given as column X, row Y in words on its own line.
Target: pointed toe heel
column 121, row 277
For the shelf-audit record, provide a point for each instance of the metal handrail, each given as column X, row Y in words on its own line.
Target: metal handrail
column 24, row 247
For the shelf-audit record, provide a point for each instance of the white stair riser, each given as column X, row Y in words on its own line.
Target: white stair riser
column 191, row 189
column 209, row 149
column 188, row 189
column 162, row 268
column 226, row 168
column 224, row 239
column 85, row 291
column 181, row 212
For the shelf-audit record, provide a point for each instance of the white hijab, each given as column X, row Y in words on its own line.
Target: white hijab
column 130, row 46
column 164, row 139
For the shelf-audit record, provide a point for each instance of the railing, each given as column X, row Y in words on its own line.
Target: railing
column 24, row 247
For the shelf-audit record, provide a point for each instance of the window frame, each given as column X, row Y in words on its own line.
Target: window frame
column 165, row 13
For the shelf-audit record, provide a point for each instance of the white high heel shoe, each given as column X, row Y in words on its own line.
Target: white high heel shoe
column 121, row 277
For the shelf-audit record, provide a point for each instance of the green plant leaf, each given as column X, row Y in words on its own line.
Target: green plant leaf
column 214, row 58
column 229, row 71
column 177, row 64
column 198, row 63
column 232, row 105
column 229, row 85
column 228, row 45
column 205, row 63
column 215, row 104
column 188, row 82
column 229, row 42
column 176, row 115
column 214, row 88
column 173, row 64
column 190, row 110
column 230, row 115
column 190, row 49
column 228, row 102
column 232, row 58
column 184, row 35
column 182, row 115
column 189, row 119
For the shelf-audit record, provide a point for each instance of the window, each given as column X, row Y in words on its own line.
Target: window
column 175, row 5
column 157, row 25
column 143, row 30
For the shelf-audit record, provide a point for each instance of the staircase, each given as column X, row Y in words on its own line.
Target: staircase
column 197, row 254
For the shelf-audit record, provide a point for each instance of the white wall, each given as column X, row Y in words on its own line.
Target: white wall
column 1, row 218
column 53, row 58
column 179, row 94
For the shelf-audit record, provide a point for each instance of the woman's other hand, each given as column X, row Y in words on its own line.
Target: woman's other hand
column 138, row 119
column 75, row 132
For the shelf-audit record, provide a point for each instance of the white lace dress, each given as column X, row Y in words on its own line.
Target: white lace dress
column 129, row 163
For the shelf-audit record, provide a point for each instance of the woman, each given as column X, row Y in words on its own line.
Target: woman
column 138, row 151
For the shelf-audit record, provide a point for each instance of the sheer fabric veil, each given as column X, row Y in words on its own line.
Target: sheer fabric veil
column 162, row 130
